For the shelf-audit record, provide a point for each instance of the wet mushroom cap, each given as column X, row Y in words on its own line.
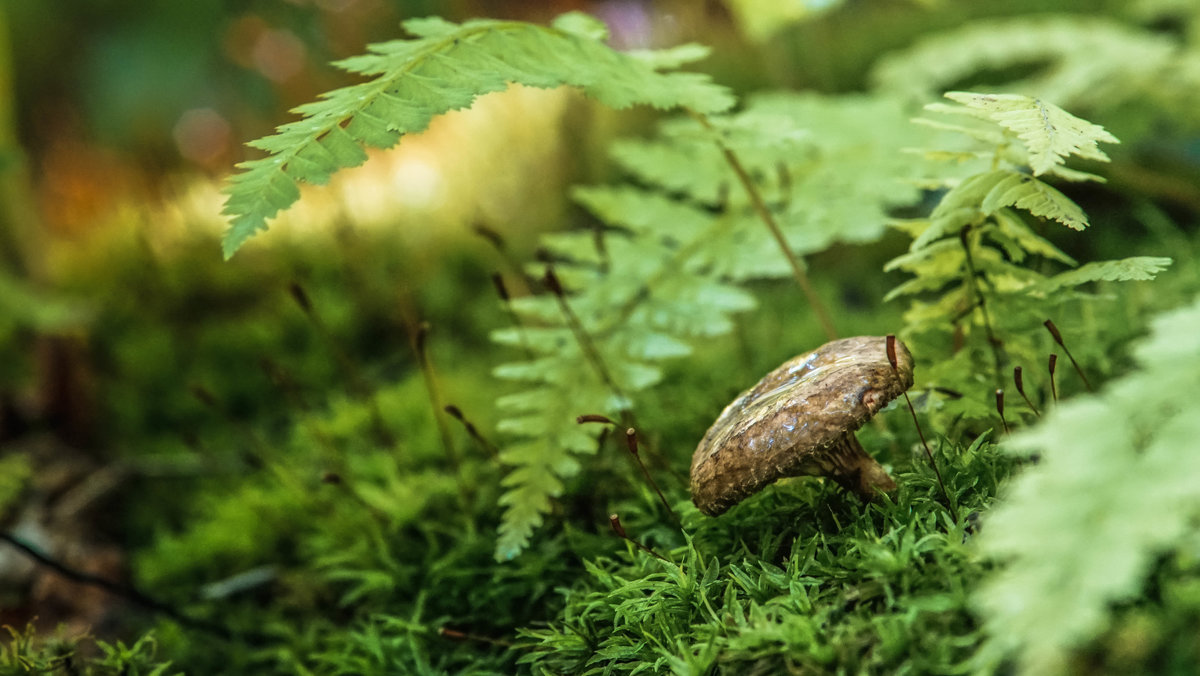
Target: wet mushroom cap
column 795, row 419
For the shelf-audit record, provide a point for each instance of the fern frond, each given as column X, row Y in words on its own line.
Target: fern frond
column 831, row 168
column 1073, row 60
column 958, row 208
column 546, row 455
column 1138, row 268
column 654, row 293
column 1050, row 134
column 974, row 248
column 445, row 67
column 1114, row 488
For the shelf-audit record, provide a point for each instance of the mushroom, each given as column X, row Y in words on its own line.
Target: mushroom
column 799, row 420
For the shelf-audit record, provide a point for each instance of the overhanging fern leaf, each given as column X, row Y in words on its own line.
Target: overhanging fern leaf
column 445, row 67
column 1050, row 134
column 1114, row 488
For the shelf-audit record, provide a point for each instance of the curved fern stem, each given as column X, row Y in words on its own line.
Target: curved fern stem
column 760, row 208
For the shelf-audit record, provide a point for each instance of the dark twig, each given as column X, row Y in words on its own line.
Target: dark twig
column 418, row 337
column 124, row 591
column 1059, row 339
column 257, row 456
column 355, row 381
column 488, row 447
column 1000, row 410
column 981, row 302
column 456, row 635
column 1019, row 382
column 595, row 418
column 768, row 219
column 615, row 522
column 350, row 372
column 891, row 355
column 1051, row 364
column 506, row 300
column 632, row 443
column 586, row 344
column 497, row 241
column 280, row 378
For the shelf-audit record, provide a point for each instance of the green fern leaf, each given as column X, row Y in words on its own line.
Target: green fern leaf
column 1139, row 268
column 640, row 301
column 1049, row 133
column 1010, row 226
column 1038, row 198
column 959, row 207
column 832, row 169
column 1114, row 488
column 974, row 248
column 546, row 456
column 1073, row 60
column 983, row 195
column 937, row 264
column 445, row 67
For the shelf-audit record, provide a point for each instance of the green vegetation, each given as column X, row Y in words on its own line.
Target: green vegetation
column 355, row 464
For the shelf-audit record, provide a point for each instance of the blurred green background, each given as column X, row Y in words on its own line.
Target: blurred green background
column 145, row 384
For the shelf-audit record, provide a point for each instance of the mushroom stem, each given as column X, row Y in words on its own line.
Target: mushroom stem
column 854, row 469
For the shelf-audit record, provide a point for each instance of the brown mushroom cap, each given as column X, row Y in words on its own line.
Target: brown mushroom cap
column 800, row 420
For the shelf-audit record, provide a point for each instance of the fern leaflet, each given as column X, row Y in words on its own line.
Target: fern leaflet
column 1138, row 268
column 1073, row 60
column 1049, row 133
column 445, row 67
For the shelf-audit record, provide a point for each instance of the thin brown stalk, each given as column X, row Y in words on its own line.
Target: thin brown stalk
column 632, row 442
column 1000, row 410
column 1051, row 363
column 582, row 337
column 1019, row 382
column 891, row 355
column 1059, row 339
column 615, row 522
column 768, row 219
column 418, row 338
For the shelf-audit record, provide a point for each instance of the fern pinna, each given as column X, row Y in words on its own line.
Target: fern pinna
column 975, row 250
column 445, row 67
